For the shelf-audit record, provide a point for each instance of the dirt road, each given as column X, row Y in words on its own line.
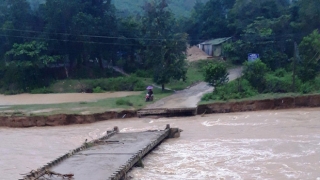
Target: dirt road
column 190, row 97
column 58, row 98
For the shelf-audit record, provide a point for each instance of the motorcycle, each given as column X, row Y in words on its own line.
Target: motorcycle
column 148, row 98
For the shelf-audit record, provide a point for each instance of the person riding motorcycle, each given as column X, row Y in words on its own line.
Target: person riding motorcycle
column 150, row 92
column 149, row 96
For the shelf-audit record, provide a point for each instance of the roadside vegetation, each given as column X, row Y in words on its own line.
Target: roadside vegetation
column 111, row 104
column 260, row 82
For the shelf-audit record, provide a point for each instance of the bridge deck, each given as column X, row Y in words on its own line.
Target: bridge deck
column 106, row 158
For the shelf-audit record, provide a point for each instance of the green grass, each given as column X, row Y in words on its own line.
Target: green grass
column 131, row 103
column 259, row 97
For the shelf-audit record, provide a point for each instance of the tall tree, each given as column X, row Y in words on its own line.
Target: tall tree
column 83, row 29
column 244, row 12
column 310, row 53
column 309, row 15
column 210, row 20
column 165, row 47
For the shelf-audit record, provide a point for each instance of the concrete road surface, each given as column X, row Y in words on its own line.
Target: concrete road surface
column 189, row 98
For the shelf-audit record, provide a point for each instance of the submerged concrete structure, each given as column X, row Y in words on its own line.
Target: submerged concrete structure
column 109, row 157
column 168, row 112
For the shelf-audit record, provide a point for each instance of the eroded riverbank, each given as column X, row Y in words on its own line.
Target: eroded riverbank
column 225, row 107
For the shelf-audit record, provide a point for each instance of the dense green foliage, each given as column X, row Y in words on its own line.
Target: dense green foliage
column 310, row 50
column 234, row 90
column 216, row 74
column 44, row 41
column 131, row 83
column 255, row 73
column 181, row 8
column 258, row 79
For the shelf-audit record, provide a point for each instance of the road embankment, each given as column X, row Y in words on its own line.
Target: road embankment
column 223, row 107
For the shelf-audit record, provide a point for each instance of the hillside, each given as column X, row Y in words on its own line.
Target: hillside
column 126, row 7
column 179, row 7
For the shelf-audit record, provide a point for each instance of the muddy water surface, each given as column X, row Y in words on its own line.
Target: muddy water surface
column 251, row 145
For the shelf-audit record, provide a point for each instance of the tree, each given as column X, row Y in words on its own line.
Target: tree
column 30, row 54
column 309, row 15
column 79, row 27
column 244, row 12
column 255, row 73
column 310, row 53
column 210, row 20
column 216, row 74
column 164, row 47
column 268, row 37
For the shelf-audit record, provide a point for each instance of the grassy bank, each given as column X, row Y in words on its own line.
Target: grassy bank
column 110, row 104
column 259, row 97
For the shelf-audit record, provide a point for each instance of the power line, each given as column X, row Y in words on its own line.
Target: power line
column 89, row 36
column 149, row 39
column 77, row 41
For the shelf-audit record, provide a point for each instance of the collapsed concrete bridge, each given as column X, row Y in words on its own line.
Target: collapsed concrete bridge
column 109, row 157
column 168, row 112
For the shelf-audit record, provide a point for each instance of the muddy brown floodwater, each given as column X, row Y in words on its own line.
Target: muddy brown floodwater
column 251, row 145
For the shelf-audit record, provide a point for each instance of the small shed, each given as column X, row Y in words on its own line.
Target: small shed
column 213, row 47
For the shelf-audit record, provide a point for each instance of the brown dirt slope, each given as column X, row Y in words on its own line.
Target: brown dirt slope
column 195, row 54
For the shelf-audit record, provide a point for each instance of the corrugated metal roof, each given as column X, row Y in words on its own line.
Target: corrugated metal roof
column 216, row 41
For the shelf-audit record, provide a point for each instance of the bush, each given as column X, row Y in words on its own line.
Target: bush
column 255, row 73
column 85, row 72
column 123, row 102
column 118, row 84
column 97, row 90
column 216, row 74
column 131, row 83
column 280, row 82
column 19, row 79
column 238, row 89
column 144, row 74
column 310, row 86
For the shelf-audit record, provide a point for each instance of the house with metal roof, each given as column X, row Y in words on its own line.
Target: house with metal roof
column 213, row 47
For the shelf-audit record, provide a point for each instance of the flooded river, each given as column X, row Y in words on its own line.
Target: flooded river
column 251, row 145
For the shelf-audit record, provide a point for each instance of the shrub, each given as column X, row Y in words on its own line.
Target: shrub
column 280, row 82
column 310, row 86
column 97, row 90
column 238, row 89
column 123, row 102
column 216, row 74
column 144, row 74
column 108, row 84
column 255, row 73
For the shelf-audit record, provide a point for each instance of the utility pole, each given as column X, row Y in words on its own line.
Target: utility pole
column 294, row 67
